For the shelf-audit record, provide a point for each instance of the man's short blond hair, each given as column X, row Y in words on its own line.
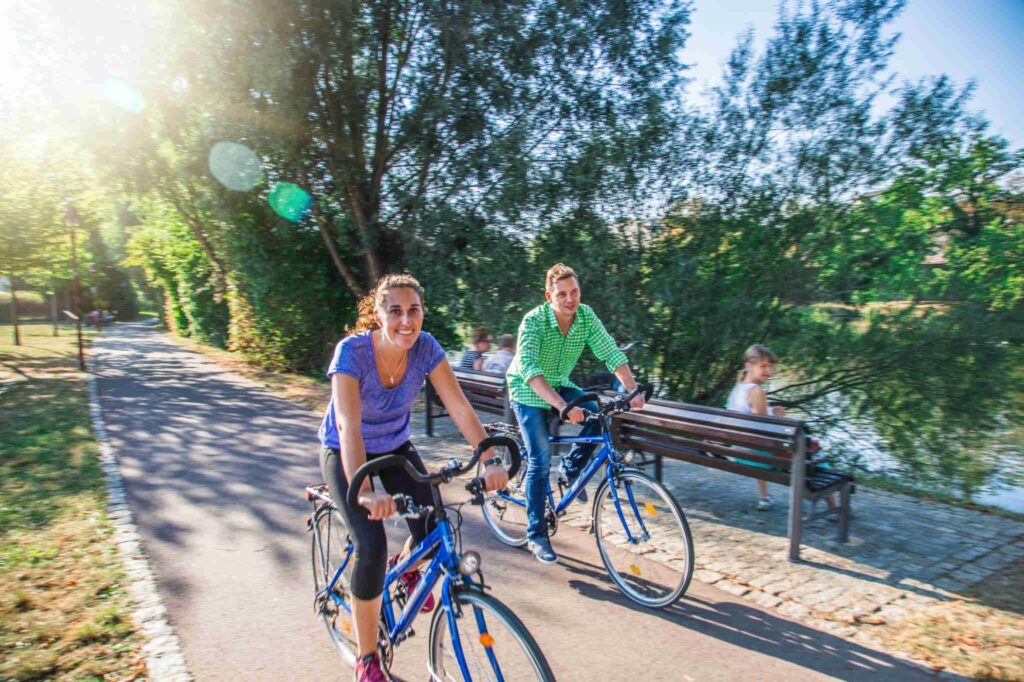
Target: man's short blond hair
column 556, row 272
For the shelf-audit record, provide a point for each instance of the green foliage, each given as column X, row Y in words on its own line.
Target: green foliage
column 170, row 257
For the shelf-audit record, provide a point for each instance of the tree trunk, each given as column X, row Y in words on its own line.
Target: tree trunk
column 54, row 313
column 14, row 309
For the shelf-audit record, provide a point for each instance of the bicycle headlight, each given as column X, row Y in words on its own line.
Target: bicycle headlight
column 469, row 563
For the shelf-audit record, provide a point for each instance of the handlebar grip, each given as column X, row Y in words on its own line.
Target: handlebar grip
column 503, row 441
column 370, row 468
column 575, row 402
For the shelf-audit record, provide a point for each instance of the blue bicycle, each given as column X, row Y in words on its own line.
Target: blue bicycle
column 642, row 534
column 473, row 636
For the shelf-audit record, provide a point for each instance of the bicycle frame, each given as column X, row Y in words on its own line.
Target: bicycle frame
column 603, row 457
column 445, row 561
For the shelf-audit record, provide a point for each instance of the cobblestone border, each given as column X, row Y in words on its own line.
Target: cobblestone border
column 165, row 661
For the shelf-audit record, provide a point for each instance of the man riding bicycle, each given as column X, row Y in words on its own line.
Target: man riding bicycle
column 551, row 341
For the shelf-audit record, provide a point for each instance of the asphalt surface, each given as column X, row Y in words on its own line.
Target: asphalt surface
column 215, row 466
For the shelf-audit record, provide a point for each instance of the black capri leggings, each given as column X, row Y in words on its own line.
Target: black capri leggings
column 371, row 543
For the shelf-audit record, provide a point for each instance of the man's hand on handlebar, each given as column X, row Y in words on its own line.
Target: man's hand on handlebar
column 380, row 506
column 638, row 402
column 576, row 416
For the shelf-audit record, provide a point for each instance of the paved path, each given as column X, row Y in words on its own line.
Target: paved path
column 213, row 466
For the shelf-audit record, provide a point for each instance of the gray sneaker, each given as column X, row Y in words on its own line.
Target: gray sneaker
column 541, row 550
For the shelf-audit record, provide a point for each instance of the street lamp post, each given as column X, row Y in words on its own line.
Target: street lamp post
column 71, row 216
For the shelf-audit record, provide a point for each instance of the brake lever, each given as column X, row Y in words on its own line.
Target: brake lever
column 476, row 487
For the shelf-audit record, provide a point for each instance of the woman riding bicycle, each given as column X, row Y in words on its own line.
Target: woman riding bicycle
column 376, row 373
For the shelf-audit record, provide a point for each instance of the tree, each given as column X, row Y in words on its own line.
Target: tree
column 507, row 115
column 30, row 227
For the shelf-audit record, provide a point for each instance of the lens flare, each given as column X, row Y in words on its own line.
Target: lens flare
column 123, row 95
column 235, row 166
column 289, row 201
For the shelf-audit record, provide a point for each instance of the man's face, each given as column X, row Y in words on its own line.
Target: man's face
column 564, row 296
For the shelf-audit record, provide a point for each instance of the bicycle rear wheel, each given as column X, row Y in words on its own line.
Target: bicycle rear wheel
column 332, row 549
column 505, row 511
column 492, row 642
column 643, row 539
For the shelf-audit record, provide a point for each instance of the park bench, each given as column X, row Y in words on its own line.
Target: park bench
column 485, row 391
column 710, row 436
column 706, row 436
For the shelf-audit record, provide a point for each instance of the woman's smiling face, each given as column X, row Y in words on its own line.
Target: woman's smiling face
column 401, row 317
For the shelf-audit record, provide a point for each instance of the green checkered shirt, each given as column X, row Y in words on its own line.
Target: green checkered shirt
column 543, row 350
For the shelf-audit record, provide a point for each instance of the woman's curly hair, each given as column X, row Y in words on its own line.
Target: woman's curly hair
column 366, row 310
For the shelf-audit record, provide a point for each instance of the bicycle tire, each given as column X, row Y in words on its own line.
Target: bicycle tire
column 331, row 545
column 654, row 572
column 505, row 513
column 513, row 656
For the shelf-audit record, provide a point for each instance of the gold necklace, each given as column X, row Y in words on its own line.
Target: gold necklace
column 401, row 363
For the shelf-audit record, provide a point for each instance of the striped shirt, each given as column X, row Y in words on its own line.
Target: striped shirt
column 542, row 349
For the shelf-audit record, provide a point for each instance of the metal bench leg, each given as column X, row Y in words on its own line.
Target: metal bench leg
column 657, row 468
column 428, row 397
column 796, row 498
column 843, row 534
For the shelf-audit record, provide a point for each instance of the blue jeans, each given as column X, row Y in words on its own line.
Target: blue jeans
column 533, row 422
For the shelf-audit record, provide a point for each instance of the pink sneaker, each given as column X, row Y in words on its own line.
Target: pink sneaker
column 411, row 579
column 368, row 669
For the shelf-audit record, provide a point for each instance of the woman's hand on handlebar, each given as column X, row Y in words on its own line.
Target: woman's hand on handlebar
column 379, row 505
column 495, row 477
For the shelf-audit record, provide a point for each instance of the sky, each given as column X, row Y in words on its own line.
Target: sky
column 965, row 39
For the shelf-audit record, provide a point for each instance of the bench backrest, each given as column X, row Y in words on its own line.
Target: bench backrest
column 696, row 432
column 484, row 390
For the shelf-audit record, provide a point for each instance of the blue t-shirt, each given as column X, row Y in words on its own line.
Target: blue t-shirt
column 386, row 411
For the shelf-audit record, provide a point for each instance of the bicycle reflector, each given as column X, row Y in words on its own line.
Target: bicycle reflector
column 469, row 563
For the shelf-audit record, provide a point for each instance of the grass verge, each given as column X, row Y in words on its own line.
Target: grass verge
column 64, row 612
column 979, row 637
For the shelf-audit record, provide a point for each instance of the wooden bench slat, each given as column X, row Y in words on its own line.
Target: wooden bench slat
column 775, row 445
column 724, row 418
column 638, row 439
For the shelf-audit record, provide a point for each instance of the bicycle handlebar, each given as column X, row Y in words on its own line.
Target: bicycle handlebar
column 620, row 403
column 446, row 473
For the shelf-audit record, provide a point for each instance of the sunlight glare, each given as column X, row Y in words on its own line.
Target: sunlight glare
column 289, row 201
column 123, row 95
column 235, row 166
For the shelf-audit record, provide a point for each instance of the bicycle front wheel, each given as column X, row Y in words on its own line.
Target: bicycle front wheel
column 481, row 639
column 505, row 510
column 643, row 539
column 333, row 550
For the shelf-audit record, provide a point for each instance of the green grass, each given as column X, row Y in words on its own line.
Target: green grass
column 64, row 613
